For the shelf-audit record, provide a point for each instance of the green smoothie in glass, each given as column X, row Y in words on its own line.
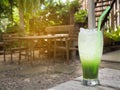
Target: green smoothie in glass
column 90, row 44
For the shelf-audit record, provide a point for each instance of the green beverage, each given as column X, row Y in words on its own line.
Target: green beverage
column 90, row 68
column 90, row 44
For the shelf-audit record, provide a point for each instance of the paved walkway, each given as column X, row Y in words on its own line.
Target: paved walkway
column 109, row 80
column 112, row 56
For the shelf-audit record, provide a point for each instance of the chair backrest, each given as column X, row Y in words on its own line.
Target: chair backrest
column 73, row 34
column 9, row 41
column 8, row 36
column 65, row 29
column 61, row 29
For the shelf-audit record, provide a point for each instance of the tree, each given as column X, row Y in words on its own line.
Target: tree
column 48, row 12
column 27, row 10
column 21, row 14
column 74, row 6
column 6, row 14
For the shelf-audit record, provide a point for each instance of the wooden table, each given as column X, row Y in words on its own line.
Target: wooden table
column 50, row 36
column 31, row 39
column 109, row 80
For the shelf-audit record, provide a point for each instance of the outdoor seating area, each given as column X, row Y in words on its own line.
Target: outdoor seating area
column 60, row 45
column 62, row 39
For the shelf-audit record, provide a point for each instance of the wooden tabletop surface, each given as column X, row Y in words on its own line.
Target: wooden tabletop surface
column 44, row 36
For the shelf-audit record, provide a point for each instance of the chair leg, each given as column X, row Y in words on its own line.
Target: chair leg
column 39, row 53
column 33, row 54
column 67, row 56
column 11, row 57
column 28, row 56
column 67, row 51
column 19, row 61
column 55, row 51
column 4, row 56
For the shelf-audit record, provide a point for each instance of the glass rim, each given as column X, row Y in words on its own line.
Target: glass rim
column 89, row 30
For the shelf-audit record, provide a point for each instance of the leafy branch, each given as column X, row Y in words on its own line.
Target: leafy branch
column 113, row 34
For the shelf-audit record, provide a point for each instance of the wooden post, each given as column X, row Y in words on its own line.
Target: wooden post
column 91, row 14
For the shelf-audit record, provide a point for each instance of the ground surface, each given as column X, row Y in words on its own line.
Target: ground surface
column 41, row 75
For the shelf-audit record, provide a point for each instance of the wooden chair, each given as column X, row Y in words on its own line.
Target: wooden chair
column 64, row 44
column 70, row 46
column 11, row 46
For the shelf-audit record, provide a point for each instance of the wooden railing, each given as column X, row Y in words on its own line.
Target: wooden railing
column 100, row 6
column 96, row 2
column 112, row 18
column 106, row 16
column 115, row 14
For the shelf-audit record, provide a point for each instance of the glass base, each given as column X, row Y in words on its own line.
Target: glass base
column 91, row 82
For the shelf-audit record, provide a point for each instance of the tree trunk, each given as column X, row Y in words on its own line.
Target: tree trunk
column 21, row 15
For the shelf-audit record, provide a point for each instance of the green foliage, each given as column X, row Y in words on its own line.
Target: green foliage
column 56, row 12
column 74, row 5
column 4, row 9
column 3, row 24
column 15, row 15
column 48, row 12
column 4, row 2
column 31, row 7
column 113, row 34
column 80, row 16
column 8, row 14
column 12, row 29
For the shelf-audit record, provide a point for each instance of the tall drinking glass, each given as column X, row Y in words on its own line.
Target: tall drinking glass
column 90, row 44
